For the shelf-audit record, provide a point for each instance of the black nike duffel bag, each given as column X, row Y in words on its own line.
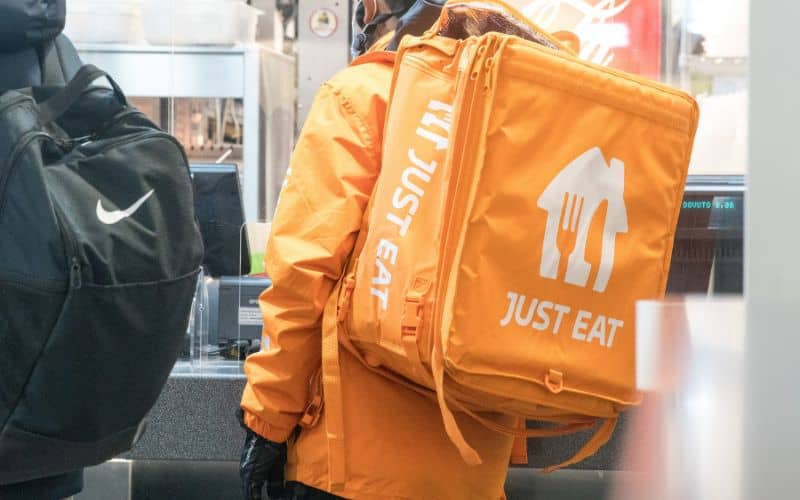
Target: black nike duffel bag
column 99, row 256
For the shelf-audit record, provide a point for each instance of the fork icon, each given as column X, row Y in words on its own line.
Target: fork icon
column 572, row 200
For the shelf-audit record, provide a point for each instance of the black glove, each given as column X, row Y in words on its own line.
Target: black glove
column 262, row 463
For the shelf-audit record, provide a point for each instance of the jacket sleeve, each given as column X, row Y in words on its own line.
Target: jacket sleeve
column 331, row 176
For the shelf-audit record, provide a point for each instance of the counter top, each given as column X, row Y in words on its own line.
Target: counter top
column 195, row 419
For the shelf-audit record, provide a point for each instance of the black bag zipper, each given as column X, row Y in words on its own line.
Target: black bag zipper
column 114, row 120
column 141, row 136
column 22, row 144
column 5, row 174
column 153, row 133
column 75, row 278
column 30, row 136
column 72, row 143
column 66, row 230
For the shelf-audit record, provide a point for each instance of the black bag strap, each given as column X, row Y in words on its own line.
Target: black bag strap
column 53, row 108
column 59, row 61
column 52, row 71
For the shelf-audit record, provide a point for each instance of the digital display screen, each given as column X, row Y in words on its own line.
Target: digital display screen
column 708, row 254
column 718, row 203
column 712, row 211
column 725, row 204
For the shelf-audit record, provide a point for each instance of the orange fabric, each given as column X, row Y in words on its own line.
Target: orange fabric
column 519, row 450
column 569, row 39
column 395, row 446
column 539, row 195
column 333, row 169
column 393, row 439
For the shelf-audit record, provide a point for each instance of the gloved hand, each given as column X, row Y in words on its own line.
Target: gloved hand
column 262, row 463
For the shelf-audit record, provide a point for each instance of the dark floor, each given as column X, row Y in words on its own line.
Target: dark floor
column 174, row 480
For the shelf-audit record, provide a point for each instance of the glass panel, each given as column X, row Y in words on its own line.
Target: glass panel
column 623, row 34
column 220, row 76
column 214, row 73
column 226, row 323
column 698, row 45
column 685, row 441
column 714, row 66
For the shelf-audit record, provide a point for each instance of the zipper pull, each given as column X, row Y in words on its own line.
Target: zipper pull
column 70, row 144
column 62, row 143
column 465, row 58
column 75, row 280
column 90, row 138
column 488, row 83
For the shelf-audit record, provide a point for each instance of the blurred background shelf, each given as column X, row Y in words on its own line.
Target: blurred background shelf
column 718, row 66
column 261, row 78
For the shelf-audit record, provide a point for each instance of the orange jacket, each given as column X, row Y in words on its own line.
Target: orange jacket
column 395, row 442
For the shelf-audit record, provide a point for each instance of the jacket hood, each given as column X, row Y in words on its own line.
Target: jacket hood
column 27, row 24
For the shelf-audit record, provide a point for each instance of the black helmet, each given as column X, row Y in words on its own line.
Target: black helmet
column 418, row 18
column 415, row 16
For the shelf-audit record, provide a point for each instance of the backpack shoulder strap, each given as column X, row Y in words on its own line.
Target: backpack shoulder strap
column 332, row 369
column 334, row 400
column 59, row 61
column 519, row 451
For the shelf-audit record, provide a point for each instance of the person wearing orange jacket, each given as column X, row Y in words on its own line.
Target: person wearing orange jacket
column 394, row 439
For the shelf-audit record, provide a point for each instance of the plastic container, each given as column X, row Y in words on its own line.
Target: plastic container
column 104, row 21
column 199, row 22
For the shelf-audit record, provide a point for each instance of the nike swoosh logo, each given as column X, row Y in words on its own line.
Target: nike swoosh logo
column 115, row 216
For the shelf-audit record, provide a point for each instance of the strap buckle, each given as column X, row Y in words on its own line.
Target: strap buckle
column 412, row 316
column 312, row 412
column 412, row 307
column 313, row 409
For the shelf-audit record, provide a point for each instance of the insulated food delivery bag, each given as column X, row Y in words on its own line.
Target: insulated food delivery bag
column 527, row 200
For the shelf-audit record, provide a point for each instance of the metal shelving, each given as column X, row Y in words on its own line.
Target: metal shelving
column 212, row 72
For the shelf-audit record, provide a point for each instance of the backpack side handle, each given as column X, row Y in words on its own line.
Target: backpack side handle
column 56, row 106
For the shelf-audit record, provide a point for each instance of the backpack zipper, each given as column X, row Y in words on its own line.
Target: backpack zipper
column 75, row 275
column 72, row 143
column 151, row 134
column 66, row 233
column 28, row 137
column 68, row 144
column 134, row 138
column 75, row 278
column 8, row 169
column 461, row 128
column 119, row 116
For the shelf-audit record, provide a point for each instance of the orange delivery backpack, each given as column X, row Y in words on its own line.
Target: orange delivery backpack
column 527, row 200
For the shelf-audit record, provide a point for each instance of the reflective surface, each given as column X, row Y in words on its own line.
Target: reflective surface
column 686, row 440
